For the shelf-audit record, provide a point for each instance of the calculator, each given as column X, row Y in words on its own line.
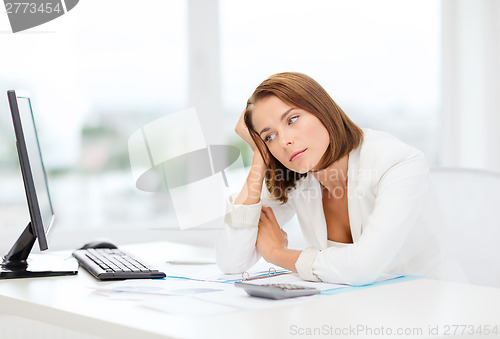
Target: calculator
column 276, row 291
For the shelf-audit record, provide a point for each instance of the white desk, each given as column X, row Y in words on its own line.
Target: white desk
column 418, row 305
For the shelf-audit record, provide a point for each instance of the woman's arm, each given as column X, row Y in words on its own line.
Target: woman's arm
column 236, row 251
column 400, row 193
column 272, row 242
column 251, row 191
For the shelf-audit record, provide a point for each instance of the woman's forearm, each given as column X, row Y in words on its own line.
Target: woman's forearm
column 286, row 258
column 250, row 194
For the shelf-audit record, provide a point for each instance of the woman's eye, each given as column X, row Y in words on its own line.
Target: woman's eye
column 269, row 137
column 292, row 120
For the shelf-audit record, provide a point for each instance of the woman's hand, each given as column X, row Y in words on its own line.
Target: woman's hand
column 270, row 237
column 242, row 130
column 251, row 191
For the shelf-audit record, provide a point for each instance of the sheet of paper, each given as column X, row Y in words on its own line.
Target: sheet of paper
column 168, row 286
column 207, row 292
column 238, row 298
column 186, row 297
column 294, row 278
column 211, row 272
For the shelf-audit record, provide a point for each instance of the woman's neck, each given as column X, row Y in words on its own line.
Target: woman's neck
column 335, row 176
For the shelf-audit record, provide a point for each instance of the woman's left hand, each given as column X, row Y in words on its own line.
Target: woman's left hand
column 270, row 236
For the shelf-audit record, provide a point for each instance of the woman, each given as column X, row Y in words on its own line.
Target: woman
column 362, row 197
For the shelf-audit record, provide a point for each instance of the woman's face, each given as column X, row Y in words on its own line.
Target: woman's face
column 295, row 137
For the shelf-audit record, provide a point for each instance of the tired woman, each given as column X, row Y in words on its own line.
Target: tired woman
column 362, row 197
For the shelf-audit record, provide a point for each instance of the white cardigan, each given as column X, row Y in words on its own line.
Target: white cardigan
column 393, row 216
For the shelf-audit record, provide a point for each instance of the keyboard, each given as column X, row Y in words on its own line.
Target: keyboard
column 115, row 264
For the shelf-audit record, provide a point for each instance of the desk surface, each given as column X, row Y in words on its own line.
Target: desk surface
column 419, row 307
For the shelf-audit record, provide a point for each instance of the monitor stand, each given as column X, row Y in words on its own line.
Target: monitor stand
column 16, row 263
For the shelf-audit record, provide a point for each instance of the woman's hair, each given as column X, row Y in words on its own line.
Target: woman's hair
column 301, row 91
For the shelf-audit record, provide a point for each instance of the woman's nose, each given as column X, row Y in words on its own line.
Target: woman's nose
column 286, row 139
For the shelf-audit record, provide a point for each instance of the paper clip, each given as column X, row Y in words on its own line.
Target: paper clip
column 271, row 273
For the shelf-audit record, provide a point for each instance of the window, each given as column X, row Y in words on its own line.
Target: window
column 379, row 60
column 95, row 76
column 105, row 69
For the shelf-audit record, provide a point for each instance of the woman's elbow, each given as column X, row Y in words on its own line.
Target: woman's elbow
column 228, row 267
column 363, row 280
column 357, row 277
column 232, row 263
column 364, row 276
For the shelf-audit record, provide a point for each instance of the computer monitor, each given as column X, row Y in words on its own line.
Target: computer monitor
column 16, row 263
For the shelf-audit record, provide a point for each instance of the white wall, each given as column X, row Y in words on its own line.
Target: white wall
column 471, row 83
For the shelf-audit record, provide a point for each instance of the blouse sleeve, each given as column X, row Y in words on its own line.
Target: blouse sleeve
column 400, row 193
column 235, row 250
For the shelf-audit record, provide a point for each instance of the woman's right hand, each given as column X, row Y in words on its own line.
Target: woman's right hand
column 251, row 191
column 242, row 130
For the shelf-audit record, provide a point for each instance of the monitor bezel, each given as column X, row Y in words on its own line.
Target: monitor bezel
column 40, row 231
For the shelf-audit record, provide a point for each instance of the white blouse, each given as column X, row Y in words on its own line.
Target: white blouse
column 336, row 244
column 393, row 215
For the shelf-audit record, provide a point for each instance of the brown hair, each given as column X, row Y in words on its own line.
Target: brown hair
column 301, row 91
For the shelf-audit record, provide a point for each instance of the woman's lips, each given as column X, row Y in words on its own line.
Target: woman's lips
column 297, row 155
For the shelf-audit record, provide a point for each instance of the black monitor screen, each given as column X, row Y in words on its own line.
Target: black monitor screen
column 40, row 206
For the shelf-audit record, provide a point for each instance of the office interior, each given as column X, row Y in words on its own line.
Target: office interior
column 426, row 71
